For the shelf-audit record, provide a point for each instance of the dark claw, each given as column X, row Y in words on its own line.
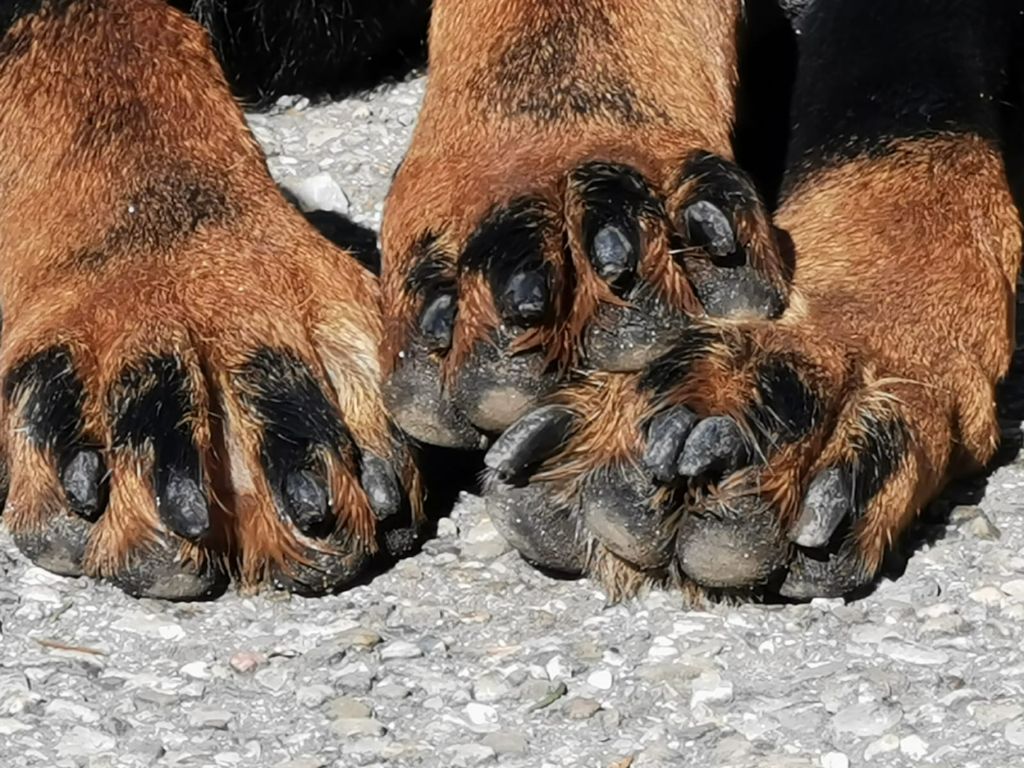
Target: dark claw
column 666, row 436
column 381, row 486
column 528, row 442
column 182, row 506
column 709, row 228
column 83, row 480
column 716, row 446
column 827, row 503
column 307, row 502
column 437, row 323
column 525, row 297
column 613, row 255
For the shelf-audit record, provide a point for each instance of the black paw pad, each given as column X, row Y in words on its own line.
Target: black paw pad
column 825, row 574
column 733, row 544
column 162, row 574
column 543, row 531
column 151, row 407
column 619, row 509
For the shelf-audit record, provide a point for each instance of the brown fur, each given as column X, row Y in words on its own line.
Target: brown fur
column 901, row 313
column 139, row 219
column 522, row 93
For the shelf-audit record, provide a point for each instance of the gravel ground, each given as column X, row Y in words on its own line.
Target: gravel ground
column 465, row 656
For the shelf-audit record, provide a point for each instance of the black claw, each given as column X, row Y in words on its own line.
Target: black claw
column 525, row 298
column 437, row 323
column 182, row 506
column 827, row 503
column 529, row 441
column 716, row 446
column 381, row 486
column 614, row 255
column 709, row 228
column 666, row 437
column 307, row 502
column 83, row 478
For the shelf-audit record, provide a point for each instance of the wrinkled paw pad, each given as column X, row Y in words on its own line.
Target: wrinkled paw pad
column 607, row 277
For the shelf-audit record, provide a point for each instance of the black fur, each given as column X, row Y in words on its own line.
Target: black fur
column 508, row 246
column 53, row 399
column 618, row 196
column 434, row 271
column 53, row 396
column 299, row 421
column 161, row 215
column 151, row 408
column 669, row 370
column 313, row 47
column 878, row 458
column 787, row 409
column 935, row 66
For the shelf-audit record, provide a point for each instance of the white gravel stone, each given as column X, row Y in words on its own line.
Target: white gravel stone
column 601, row 679
column 890, row 742
column 85, row 742
column 1014, row 732
column 866, row 719
column 481, row 714
column 218, row 719
column 835, row 760
column 400, row 649
column 468, row 755
column 318, row 193
column 710, row 688
column 913, row 654
column 988, row 595
column 150, row 626
column 914, row 747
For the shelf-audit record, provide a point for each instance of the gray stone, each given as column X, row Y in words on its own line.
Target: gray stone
column 218, row 719
column 582, row 708
column 866, row 719
column 346, row 708
column 506, row 742
column 468, row 755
